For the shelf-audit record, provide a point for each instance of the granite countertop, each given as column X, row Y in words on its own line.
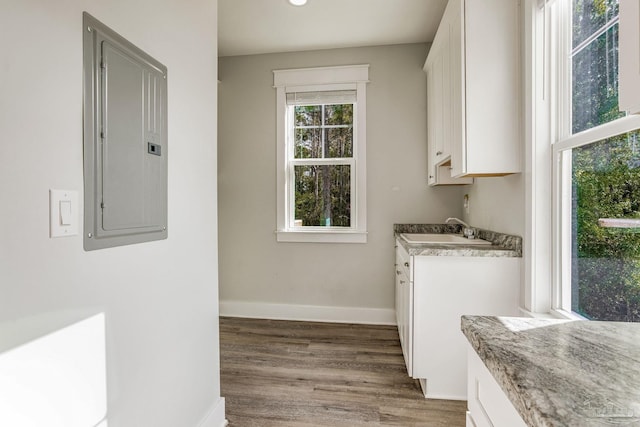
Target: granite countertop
column 502, row 245
column 560, row 372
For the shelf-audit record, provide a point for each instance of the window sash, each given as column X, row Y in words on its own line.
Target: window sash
column 292, row 127
column 291, row 176
column 562, row 145
column 562, row 153
column 292, row 161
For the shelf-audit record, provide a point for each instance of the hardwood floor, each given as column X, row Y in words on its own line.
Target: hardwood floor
column 282, row 373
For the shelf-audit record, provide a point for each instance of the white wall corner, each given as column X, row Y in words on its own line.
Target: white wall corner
column 215, row 416
column 308, row 313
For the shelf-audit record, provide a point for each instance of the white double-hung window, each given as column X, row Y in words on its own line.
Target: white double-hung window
column 321, row 149
column 596, row 160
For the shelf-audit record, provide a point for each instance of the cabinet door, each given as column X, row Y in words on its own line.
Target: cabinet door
column 629, row 56
column 404, row 304
column 444, row 99
column 431, row 126
column 445, row 288
column 437, row 70
column 456, row 48
column 404, row 315
column 488, row 405
column 445, row 57
column 491, row 90
column 399, row 302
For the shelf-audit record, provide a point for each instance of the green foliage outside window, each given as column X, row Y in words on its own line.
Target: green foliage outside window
column 606, row 270
column 606, row 176
column 323, row 192
column 323, row 195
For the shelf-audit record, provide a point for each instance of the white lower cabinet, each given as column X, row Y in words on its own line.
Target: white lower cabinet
column 429, row 305
column 404, row 305
column 488, row 405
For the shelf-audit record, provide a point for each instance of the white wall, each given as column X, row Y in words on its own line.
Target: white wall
column 159, row 298
column 254, row 268
column 497, row 204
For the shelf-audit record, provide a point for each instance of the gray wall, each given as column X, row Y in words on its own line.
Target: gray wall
column 159, row 298
column 254, row 268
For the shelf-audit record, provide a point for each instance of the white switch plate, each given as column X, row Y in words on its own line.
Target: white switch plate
column 63, row 213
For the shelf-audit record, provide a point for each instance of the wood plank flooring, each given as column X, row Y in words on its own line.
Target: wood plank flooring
column 283, row 373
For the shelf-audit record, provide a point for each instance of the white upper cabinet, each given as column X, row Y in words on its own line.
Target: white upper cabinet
column 629, row 56
column 479, row 92
column 440, row 109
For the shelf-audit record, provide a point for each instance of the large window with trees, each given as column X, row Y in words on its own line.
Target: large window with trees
column 597, row 172
column 320, row 158
column 321, row 154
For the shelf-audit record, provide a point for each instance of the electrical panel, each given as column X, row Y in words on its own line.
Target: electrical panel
column 125, row 141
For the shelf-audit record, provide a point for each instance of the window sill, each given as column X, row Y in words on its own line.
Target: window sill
column 552, row 314
column 564, row 314
column 314, row 236
column 536, row 315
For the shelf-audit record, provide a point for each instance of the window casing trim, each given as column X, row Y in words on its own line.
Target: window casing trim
column 317, row 80
column 538, row 80
column 549, row 139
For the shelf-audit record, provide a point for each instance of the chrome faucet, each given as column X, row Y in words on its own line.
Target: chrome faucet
column 459, row 221
column 467, row 230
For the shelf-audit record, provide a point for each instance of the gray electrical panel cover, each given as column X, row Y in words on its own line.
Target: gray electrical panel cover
column 125, row 141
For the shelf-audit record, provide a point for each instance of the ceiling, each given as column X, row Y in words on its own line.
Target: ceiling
column 247, row 27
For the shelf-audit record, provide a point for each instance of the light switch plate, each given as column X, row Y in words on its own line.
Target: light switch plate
column 63, row 213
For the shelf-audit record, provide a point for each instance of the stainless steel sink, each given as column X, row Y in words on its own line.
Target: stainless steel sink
column 440, row 239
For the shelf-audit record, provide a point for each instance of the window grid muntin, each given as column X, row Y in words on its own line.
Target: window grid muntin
column 594, row 36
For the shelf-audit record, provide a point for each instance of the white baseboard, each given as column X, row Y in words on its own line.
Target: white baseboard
column 215, row 417
column 309, row 313
column 427, row 395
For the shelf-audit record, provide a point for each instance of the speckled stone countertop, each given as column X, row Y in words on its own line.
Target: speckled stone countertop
column 561, row 372
column 502, row 245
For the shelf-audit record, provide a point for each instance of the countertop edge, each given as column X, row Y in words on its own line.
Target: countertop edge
column 493, row 358
column 502, row 244
column 561, row 372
